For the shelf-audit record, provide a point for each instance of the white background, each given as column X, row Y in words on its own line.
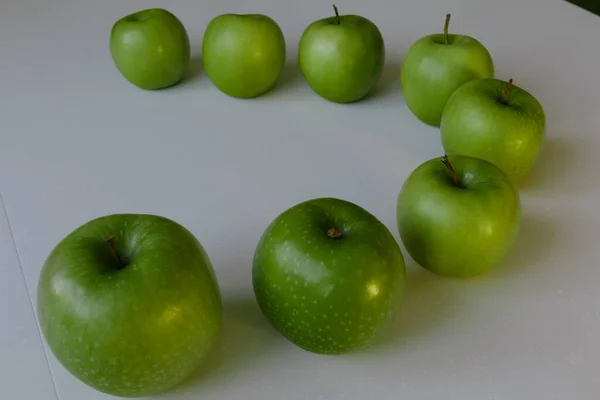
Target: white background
column 78, row 141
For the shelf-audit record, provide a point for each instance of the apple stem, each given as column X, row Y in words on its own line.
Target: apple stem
column 334, row 233
column 451, row 169
column 111, row 242
column 446, row 28
column 337, row 15
column 508, row 87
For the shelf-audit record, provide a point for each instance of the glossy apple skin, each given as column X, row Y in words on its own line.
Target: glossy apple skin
column 134, row 331
column 150, row 48
column 477, row 122
column 342, row 62
column 328, row 295
column 458, row 231
column 243, row 54
column 432, row 71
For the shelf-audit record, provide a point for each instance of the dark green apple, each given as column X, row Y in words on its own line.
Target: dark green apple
column 129, row 304
column 150, row 48
column 438, row 64
column 496, row 121
column 328, row 275
column 341, row 57
column 458, row 219
column 243, row 54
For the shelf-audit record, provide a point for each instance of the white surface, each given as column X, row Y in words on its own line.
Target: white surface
column 78, row 142
column 24, row 372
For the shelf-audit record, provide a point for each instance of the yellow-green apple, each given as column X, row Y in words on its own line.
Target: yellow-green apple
column 150, row 48
column 328, row 275
column 243, row 54
column 341, row 57
column 129, row 304
column 496, row 121
column 438, row 64
column 458, row 216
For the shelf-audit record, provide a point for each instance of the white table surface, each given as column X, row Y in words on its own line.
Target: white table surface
column 77, row 141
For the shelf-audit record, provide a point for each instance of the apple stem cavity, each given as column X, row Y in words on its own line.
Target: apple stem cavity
column 334, row 233
column 111, row 242
column 446, row 28
column 337, row 14
column 508, row 87
column 450, row 168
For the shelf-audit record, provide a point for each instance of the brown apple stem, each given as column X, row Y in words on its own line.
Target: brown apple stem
column 446, row 28
column 451, row 169
column 111, row 242
column 508, row 87
column 337, row 15
column 334, row 233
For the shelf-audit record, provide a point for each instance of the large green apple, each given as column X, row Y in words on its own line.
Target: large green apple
column 341, row 57
column 328, row 275
column 150, row 48
column 458, row 216
column 129, row 304
column 496, row 121
column 438, row 64
column 243, row 54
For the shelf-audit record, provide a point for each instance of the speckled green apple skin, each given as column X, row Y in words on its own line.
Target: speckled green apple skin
column 458, row 231
column 150, row 48
column 342, row 62
column 328, row 295
column 135, row 331
column 243, row 54
column 432, row 70
column 477, row 122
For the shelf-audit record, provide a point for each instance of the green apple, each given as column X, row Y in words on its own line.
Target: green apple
column 243, row 54
column 341, row 57
column 328, row 276
column 495, row 121
column 150, row 48
column 458, row 219
column 438, row 64
column 129, row 304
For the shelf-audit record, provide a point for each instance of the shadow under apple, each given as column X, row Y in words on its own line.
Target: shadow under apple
column 195, row 68
column 429, row 302
column 538, row 236
column 389, row 81
column 289, row 77
column 245, row 335
column 557, row 170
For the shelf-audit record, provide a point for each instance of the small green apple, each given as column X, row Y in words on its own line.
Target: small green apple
column 150, row 48
column 458, row 219
column 435, row 66
column 129, row 304
column 341, row 57
column 496, row 121
column 243, row 54
column 328, row 275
